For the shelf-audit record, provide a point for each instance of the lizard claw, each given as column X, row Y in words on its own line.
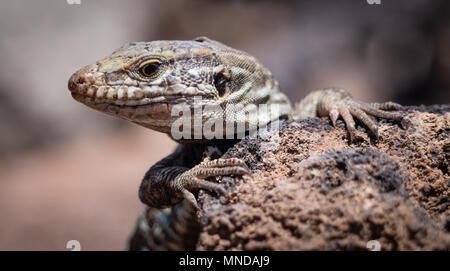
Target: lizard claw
column 334, row 115
column 349, row 109
column 194, row 178
column 335, row 103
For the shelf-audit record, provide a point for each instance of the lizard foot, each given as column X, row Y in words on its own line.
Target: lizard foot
column 194, row 178
column 349, row 109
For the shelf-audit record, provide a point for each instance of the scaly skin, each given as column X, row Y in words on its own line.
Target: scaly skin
column 144, row 82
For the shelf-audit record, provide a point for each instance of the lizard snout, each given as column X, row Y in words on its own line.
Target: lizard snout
column 75, row 81
column 84, row 79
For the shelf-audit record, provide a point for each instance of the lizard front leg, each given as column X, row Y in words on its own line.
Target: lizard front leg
column 180, row 175
column 167, row 183
column 336, row 103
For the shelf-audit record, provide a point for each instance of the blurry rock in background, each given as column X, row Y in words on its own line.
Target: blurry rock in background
column 394, row 51
column 378, row 52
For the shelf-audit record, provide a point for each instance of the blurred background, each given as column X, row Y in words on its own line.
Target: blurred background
column 70, row 173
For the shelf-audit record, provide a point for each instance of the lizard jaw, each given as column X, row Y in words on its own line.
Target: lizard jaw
column 131, row 103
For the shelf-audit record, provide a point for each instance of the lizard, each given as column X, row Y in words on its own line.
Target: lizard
column 144, row 82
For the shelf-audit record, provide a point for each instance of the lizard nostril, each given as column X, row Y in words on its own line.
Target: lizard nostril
column 78, row 78
column 74, row 81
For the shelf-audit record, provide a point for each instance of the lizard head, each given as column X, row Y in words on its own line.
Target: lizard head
column 144, row 81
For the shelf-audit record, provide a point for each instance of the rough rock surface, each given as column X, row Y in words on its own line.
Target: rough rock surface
column 314, row 191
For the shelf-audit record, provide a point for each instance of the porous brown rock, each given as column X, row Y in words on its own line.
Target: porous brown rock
column 312, row 190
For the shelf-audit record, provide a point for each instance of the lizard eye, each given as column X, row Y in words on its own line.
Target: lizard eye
column 149, row 69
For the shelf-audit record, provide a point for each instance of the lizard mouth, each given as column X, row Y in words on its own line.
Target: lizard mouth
column 132, row 103
column 87, row 92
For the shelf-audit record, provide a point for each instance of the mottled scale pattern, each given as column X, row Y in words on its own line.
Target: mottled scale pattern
column 167, row 229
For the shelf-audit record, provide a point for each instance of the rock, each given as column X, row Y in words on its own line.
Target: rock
column 311, row 190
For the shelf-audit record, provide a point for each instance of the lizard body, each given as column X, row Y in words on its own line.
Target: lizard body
column 144, row 82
